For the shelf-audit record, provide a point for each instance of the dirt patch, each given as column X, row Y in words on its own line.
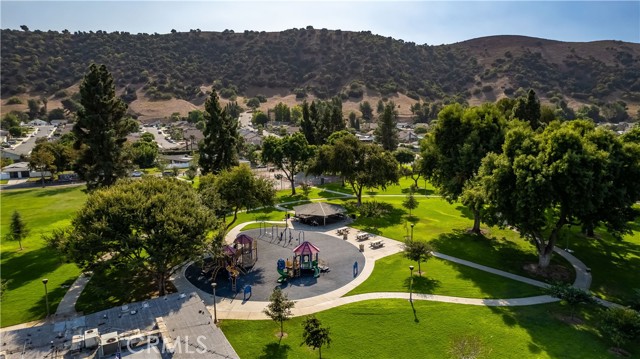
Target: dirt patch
column 483, row 232
column 554, row 272
column 284, row 335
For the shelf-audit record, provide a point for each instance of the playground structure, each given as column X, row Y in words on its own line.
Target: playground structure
column 237, row 258
column 305, row 257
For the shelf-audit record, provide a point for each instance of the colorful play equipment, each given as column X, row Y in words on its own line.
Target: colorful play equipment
column 305, row 257
column 236, row 258
column 248, row 249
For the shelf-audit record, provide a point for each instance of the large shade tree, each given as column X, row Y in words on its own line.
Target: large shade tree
column 570, row 173
column 219, row 147
column 101, row 130
column 452, row 152
column 360, row 165
column 236, row 189
column 152, row 225
column 289, row 154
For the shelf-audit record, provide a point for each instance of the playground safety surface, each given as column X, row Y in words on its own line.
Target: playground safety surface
column 339, row 255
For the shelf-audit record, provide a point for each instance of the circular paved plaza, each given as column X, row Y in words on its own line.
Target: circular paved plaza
column 339, row 256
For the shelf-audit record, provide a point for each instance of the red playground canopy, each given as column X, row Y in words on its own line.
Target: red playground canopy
column 306, row 248
column 243, row 239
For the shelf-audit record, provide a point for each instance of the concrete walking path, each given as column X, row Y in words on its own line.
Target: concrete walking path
column 67, row 307
column 253, row 310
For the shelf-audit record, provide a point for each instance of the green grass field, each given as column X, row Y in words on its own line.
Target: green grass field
column 392, row 329
column 42, row 210
column 391, row 274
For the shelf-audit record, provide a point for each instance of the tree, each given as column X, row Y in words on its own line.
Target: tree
column 101, row 130
column 145, row 151
column 17, row 229
column 387, row 132
column 307, row 127
column 410, row 202
column 452, row 152
column 219, row 147
column 360, row 165
column 259, row 118
column 418, row 251
column 34, row 108
column 41, row 159
column 571, row 295
column 253, row 103
column 282, row 112
column 570, row 173
column 238, row 188
column 528, row 110
column 296, row 114
column 380, row 107
column 289, row 154
column 279, row 308
column 367, row 111
column 404, row 155
column 153, row 225
column 314, row 335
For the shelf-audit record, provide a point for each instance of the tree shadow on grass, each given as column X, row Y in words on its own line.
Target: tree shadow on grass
column 275, row 351
column 29, row 266
column 53, row 191
column 494, row 252
column 422, row 284
column 420, row 191
column 465, row 212
column 393, row 218
column 55, row 295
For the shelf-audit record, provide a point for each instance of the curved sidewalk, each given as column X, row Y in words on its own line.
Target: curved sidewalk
column 253, row 310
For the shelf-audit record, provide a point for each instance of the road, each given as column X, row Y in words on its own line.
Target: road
column 26, row 146
column 161, row 140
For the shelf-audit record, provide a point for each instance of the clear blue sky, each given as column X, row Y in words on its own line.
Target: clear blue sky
column 431, row 22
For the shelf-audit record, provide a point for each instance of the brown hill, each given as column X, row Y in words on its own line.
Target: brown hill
column 298, row 63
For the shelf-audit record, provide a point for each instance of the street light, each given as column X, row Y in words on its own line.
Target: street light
column 215, row 313
column 46, row 295
column 411, row 285
column 412, row 224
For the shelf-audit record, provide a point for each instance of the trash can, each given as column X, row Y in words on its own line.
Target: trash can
column 321, row 180
column 362, row 248
column 344, row 236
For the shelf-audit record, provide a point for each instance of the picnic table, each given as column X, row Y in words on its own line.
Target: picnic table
column 376, row 244
column 362, row 236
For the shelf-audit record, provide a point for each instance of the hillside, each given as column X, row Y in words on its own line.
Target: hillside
column 317, row 63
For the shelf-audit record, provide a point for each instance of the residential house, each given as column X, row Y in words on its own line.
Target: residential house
column 176, row 161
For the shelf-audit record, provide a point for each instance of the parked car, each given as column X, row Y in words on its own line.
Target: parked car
column 136, row 174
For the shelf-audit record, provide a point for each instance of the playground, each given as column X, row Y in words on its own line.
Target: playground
column 322, row 264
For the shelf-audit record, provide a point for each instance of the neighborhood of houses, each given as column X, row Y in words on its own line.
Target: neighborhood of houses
column 176, row 140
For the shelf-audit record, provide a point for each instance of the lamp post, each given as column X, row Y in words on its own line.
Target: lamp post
column 411, row 285
column 46, row 295
column 412, row 224
column 215, row 313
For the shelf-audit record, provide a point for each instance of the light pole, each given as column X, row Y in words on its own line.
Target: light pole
column 46, row 295
column 411, row 285
column 215, row 313
column 412, row 224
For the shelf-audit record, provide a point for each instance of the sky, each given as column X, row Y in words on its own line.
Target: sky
column 422, row 22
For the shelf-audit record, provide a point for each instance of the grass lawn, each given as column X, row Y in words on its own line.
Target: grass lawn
column 391, row 274
column 392, row 329
column 424, row 188
column 4, row 181
column 113, row 288
column 42, row 210
column 285, row 196
column 263, row 214
column 444, row 226
column 614, row 264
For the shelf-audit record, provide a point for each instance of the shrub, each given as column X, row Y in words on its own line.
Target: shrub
column 374, row 209
column 14, row 101
column 620, row 324
column 61, row 94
